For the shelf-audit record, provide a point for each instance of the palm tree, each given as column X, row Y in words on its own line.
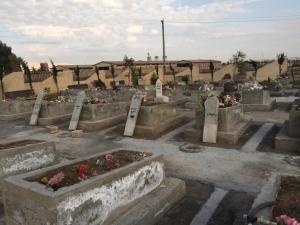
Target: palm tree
column 157, row 70
column 280, row 59
column 254, row 64
column 113, row 75
column 173, row 73
column 129, row 63
column 1, row 80
column 238, row 62
column 54, row 75
column 98, row 76
column 292, row 71
column 77, row 74
column 212, row 70
column 191, row 69
column 27, row 73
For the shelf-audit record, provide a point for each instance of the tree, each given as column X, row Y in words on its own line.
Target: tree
column 157, row 70
column 153, row 78
column 254, row 64
column 173, row 73
column 98, row 75
column 129, row 64
column 113, row 75
column 54, row 75
column 185, row 79
column 9, row 62
column 1, row 80
column 238, row 61
column 191, row 69
column 280, row 59
column 292, row 70
column 27, row 73
column 77, row 74
column 212, row 70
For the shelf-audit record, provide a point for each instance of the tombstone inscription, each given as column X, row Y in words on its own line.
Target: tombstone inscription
column 133, row 114
column 211, row 120
column 77, row 110
column 37, row 107
column 158, row 88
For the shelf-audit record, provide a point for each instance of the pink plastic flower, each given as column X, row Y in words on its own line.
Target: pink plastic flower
column 56, row 179
column 109, row 157
column 94, row 173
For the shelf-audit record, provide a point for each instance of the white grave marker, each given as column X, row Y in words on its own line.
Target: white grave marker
column 37, row 107
column 77, row 110
column 158, row 87
column 211, row 120
column 133, row 114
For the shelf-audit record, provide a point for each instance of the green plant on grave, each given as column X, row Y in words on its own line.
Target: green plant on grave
column 185, row 79
column 153, row 78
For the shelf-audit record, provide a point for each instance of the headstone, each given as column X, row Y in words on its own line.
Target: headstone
column 158, row 87
column 133, row 114
column 37, row 107
column 211, row 120
column 77, row 110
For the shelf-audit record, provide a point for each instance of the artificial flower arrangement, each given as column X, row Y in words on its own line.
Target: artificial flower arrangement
column 85, row 171
column 252, row 86
column 228, row 100
column 286, row 220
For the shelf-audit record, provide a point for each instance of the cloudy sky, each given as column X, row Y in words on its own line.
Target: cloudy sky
column 89, row 31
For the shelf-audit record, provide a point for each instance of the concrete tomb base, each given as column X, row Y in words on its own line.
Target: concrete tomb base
column 26, row 155
column 156, row 119
column 102, row 115
column 257, row 100
column 14, row 110
column 231, row 125
column 55, row 113
column 131, row 195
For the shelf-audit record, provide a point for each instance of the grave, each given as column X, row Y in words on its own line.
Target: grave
column 232, row 123
column 16, row 109
column 77, row 110
column 155, row 119
column 257, row 100
column 289, row 135
column 102, row 115
column 25, row 155
column 160, row 98
column 134, row 191
column 55, row 113
column 210, row 127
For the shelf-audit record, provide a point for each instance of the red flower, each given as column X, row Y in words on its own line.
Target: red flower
column 109, row 157
column 83, row 169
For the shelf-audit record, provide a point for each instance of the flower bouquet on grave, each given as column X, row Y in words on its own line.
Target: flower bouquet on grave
column 227, row 100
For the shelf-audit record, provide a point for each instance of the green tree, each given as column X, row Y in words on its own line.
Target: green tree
column 185, row 79
column 238, row 61
column 173, row 73
column 280, row 59
column 135, row 77
column 129, row 64
column 9, row 62
column 1, row 80
column 153, row 78
column 77, row 74
column 212, row 70
column 254, row 64
column 54, row 75
column 27, row 73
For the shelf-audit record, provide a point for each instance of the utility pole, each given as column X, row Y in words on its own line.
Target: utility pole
column 163, row 42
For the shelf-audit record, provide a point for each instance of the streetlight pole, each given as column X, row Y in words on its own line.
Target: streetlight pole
column 163, row 42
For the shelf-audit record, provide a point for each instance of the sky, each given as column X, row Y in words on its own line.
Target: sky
column 90, row 31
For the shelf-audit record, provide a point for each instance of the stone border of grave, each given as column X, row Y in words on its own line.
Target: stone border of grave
column 97, row 116
column 16, row 110
column 288, row 136
column 269, row 193
column 55, row 113
column 265, row 103
column 100, row 199
column 26, row 158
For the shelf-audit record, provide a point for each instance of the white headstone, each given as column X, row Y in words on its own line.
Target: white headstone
column 37, row 107
column 77, row 110
column 158, row 87
column 211, row 120
column 133, row 114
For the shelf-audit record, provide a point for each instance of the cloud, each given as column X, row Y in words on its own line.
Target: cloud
column 87, row 31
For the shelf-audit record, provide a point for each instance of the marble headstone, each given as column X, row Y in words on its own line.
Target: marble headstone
column 37, row 107
column 211, row 120
column 158, row 87
column 77, row 110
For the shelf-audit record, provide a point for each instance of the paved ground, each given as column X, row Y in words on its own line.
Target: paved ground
column 244, row 170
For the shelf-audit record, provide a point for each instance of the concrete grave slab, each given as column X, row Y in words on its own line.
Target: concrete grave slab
column 211, row 120
column 37, row 107
column 77, row 110
column 14, row 110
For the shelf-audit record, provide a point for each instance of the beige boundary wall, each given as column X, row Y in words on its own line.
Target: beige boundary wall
column 15, row 80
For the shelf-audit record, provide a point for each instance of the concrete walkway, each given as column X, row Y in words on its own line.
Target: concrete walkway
column 255, row 140
column 208, row 209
